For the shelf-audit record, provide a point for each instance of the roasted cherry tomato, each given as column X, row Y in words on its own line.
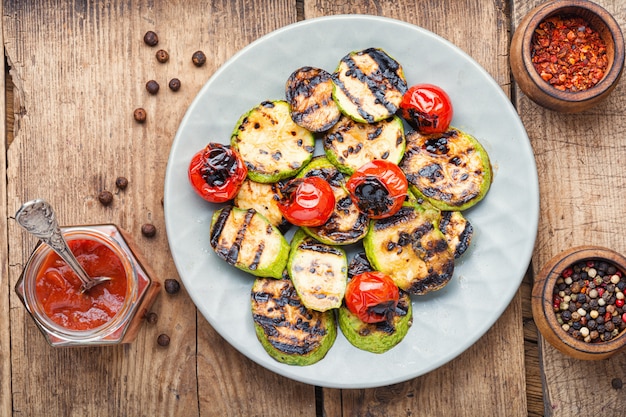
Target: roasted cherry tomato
column 217, row 172
column 307, row 201
column 372, row 296
column 378, row 188
column 427, row 108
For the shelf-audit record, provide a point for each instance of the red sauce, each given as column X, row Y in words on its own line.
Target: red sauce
column 58, row 288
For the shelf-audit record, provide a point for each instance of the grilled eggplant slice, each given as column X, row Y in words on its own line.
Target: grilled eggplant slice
column 451, row 170
column 309, row 91
column 248, row 241
column 350, row 145
column 271, row 144
column 369, row 85
column 288, row 331
column 347, row 224
column 410, row 248
column 377, row 337
column 318, row 271
column 457, row 230
column 264, row 199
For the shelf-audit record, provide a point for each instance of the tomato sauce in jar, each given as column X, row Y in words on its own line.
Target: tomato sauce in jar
column 58, row 289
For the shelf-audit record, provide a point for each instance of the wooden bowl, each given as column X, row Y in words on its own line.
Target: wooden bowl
column 545, row 317
column 540, row 91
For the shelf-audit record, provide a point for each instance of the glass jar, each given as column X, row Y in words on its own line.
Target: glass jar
column 141, row 291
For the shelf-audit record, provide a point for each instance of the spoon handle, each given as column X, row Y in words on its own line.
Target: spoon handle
column 38, row 218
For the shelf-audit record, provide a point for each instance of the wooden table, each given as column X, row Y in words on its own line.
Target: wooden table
column 77, row 70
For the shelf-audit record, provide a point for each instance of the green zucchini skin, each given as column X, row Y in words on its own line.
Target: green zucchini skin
column 319, row 272
column 271, row 144
column 410, row 248
column 288, row 331
column 350, row 145
column 248, row 241
column 451, row 170
column 309, row 91
column 377, row 337
column 368, row 85
column 347, row 225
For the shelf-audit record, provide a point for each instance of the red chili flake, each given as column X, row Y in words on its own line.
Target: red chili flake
column 568, row 53
column 567, row 272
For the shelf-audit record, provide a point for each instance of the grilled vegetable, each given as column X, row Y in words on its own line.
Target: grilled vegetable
column 308, row 201
column 347, row 224
column 457, row 230
column 350, row 145
column 288, row 331
column 216, row 173
column 377, row 337
column 451, row 170
column 410, row 248
column 369, row 85
column 248, row 241
column 318, row 271
column 271, row 144
column 309, row 92
column 372, row 296
column 427, row 108
column 264, row 199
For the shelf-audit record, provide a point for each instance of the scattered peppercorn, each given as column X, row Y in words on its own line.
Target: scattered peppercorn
column 585, row 301
column 616, row 383
column 162, row 56
column 568, row 53
column 172, row 286
column 121, row 183
column 174, row 84
column 148, row 230
column 105, row 197
column 140, row 115
column 152, row 317
column 198, row 58
column 152, row 87
column 163, row 340
column 150, row 38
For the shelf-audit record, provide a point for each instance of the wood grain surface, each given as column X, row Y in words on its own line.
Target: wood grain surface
column 77, row 72
column 581, row 185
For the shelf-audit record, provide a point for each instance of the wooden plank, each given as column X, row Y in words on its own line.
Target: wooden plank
column 79, row 71
column 577, row 156
column 489, row 375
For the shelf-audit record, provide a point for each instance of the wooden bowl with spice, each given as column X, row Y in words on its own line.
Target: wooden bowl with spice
column 578, row 302
column 567, row 55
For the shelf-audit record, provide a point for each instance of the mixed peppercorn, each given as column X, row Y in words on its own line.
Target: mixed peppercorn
column 568, row 53
column 588, row 300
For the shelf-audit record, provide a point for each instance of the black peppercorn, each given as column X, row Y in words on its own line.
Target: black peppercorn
column 121, row 183
column 150, row 38
column 105, row 197
column 163, row 340
column 198, row 58
column 148, row 230
column 616, row 383
column 140, row 115
column 152, row 317
column 162, row 56
column 174, row 84
column 172, row 286
column 152, row 87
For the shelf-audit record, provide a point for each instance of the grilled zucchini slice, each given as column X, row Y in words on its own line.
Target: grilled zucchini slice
column 457, row 230
column 350, row 145
column 451, row 170
column 309, row 91
column 248, row 241
column 347, row 224
column 410, row 248
column 318, row 271
column 377, row 337
column 287, row 330
column 264, row 199
column 368, row 85
column 271, row 144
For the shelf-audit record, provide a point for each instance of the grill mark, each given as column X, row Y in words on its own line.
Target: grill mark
column 233, row 252
column 218, row 227
column 311, row 245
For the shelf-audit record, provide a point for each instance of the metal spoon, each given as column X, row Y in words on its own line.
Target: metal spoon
column 38, row 218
